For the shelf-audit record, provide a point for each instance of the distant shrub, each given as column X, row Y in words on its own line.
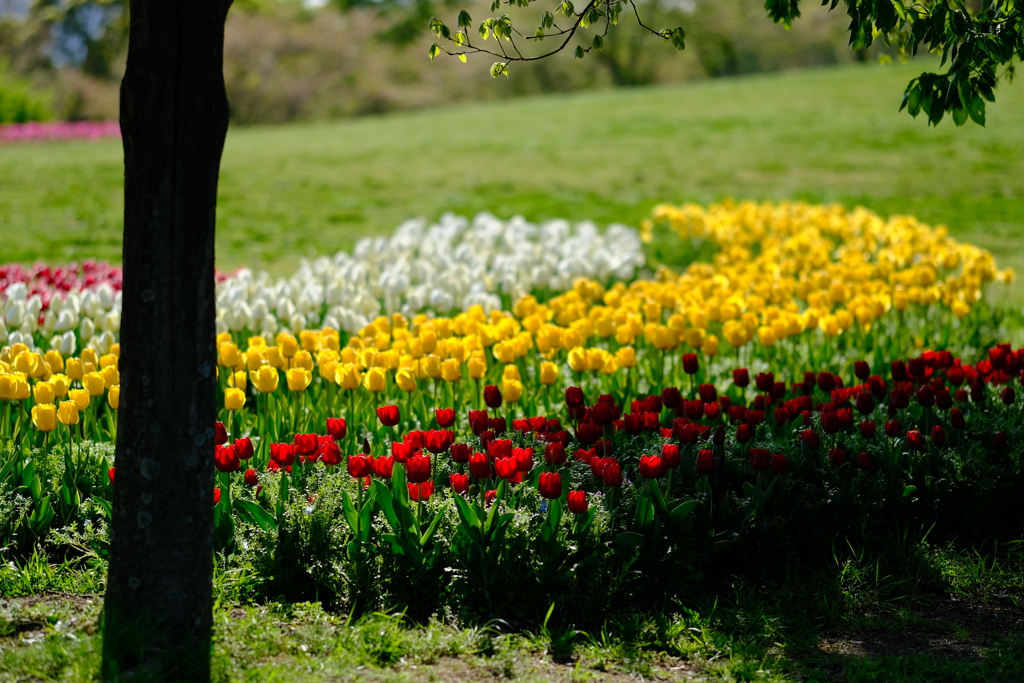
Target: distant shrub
column 18, row 103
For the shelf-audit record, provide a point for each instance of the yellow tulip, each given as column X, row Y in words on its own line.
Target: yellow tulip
column 451, row 370
column 60, row 384
column 431, row 366
column 310, row 340
column 114, row 397
column 477, row 368
column 55, row 360
column 347, row 376
column 8, row 386
column 548, row 373
column 274, row 357
column 626, row 357
column 511, row 390
column 255, row 357
column 81, row 397
column 960, row 309
column 234, row 399
column 75, row 369
column 44, row 417
column 107, row 360
column 111, row 376
column 578, row 359
column 228, row 355
column 238, row 380
column 265, row 379
column 43, row 392
column 504, row 352
column 90, row 356
column 115, row 350
column 406, row 380
column 93, row 382
column 67, row 413
column 375, row 380
column 298, row 378
column 511, row 372
column 710, row 346
column 302, row 359
column 329, row 370
column 288, row 345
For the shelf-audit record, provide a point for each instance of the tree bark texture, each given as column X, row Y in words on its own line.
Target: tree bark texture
column 174, row 118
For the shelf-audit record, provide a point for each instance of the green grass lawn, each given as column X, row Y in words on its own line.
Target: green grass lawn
column 299, row 190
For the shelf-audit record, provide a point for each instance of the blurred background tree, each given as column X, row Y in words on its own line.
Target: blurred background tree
column 287, row 60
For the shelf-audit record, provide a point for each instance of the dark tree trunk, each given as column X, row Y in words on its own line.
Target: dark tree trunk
column 174, row 118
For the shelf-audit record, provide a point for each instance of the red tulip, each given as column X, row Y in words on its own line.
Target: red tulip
column 479, row 466
column 712, row 411
column 336, row 427
column 865, row 403
column 893, row 428
column 916, row 367
column 384, row 466
column 830, row 422
column 550, row 485
column 574, row 397
column 459, row 482
column 760, row 458
column 587, row 433
column 670, row 455
column 765, row 381
column 438, row 441
column 864, row 461
column 999, row 441
column 693, row 410
column 956, row 419
column 925, row 397
column 500, row 448
column 492, row 396
column 779, row 464
column 707, row 393
column 460, row 452
column 915, row 440
column 706, row 461
column 417, row 469
column 421, row 491
column 611, row 475
column 1007, row 395
column 330, row 453
column 251, row 478
column 226, row 460
column 744, row 433
column 867, row 429
column 305, row 444
column 496, row 425
column 811, row 437
column 505, row 467
column 220, row 434
column 955, row 376
column 578, row 502
column 523, row 458
column 602, row 415
column 445, row 417
column 899, row 371
column 741, row 378
column 401, row 451
column 216, row 496
column 554, row 454
column 938, row 436
column 244, row 448
column 754, row 417
column 690, row 364
column 490, row 497
column 960, row 396
column 478, row 421
column 826, row 382
column 359, row 466
column 388, row 415
column 650, row 466
column 283, row 454
column 837, row 456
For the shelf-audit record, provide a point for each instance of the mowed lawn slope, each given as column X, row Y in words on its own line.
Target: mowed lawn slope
column 288, row 192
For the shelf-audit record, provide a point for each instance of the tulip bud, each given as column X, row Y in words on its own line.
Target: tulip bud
column 861, row 370
column 459, row 482
column 578, row 502
column 690, row 363
column 760, row 459
column 741, row 378
column 706, row 461
column 779, row 464
column 938, row 436
column 864, row 461
column 956, row 419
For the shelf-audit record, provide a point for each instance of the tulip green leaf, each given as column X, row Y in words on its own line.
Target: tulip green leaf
column 629, row 541
column 644, row 516
column 683, row 511
column 428, row 535
column 658, row 499
column 41, row 516
column 254, row 513
column 908, row 490
column 351, row 516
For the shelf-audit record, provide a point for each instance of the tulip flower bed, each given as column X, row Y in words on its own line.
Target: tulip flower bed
column 557, row 432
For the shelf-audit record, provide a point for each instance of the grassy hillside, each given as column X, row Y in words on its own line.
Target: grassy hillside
column 294, row 191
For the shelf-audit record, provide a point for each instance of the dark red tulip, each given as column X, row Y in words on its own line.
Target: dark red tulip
column 955, row 375
column 706, row 461
column 781, row 416
column 956, row 419
column 587, row 433
column 707, row 393
column 671, row 397
column 479, row 466
column 578, row 502
column 336, row 427
column 220, row 434
column 830, row 422
column 943, row 401
column 550, row 485
column 460, row 452
column 978, row 390
column 893, row 428
column 865, row 403
column 226, row 459
column 925, row 397
column 574, row 397
column 611, row 475
column 305, row 444
column 899, row 399
column 899, row 371
column 864, row 461
column 330, row 453
column 244, row 448
column 650, row 466
column 765, row 382
column 505, row 467
column 670, row 455
column 690, row 364
column 811, row 437
column 419, row 491
column 938, row 436
column 459, row 482
column 877, row 385
column 999, row 441
column 719, row 436
column 741, row 378
column 445, row 417
column 359, row 466
column 960, row 396
column 554, row 454
column 496, row 425
column 915, row 440
column 694, row 410
column 388, row 415
column 282, row 453
column 916, row 367
column 826, row 382
column 744, row 433
column 500, row 448
column 438, row 441
column 478, row 421
column 603, row 447
column 712, row 411
column 1007, row 395
column 602, row 414
column 492, row 396
column 251, row 478
column 837, row 456
column 861, row 369
column 867, row 429
column 384, row 466
column 779, row 464
column 760, row 458
column 417, row 469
